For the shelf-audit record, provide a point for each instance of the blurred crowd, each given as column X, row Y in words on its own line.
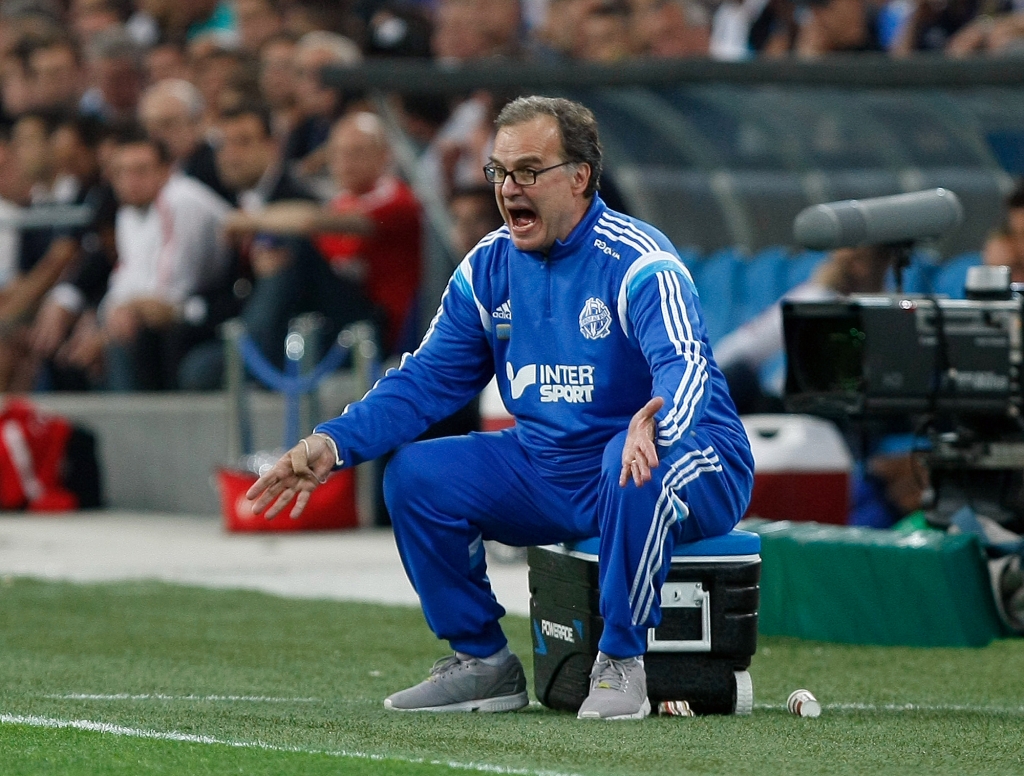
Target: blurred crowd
column 166, row 166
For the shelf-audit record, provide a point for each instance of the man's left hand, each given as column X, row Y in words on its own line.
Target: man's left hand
column 639, row 454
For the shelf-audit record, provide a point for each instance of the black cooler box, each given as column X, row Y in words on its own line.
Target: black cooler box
column 700, row 651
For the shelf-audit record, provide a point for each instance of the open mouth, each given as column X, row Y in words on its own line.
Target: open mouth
column 522, row 217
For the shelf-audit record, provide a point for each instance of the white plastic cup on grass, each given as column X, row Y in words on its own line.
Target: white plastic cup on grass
column 803, row 704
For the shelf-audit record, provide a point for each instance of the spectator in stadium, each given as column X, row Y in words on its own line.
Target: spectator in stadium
column 170, row 247
column 1006, row 246
column 931, row 24
column 172, row 112
column 166, row 60
column 91, row 17
column 61, row 247
column 248, row 162
column 15, row 89
column 1001, row 34
column 258, row 21
column 213, row 68
column 557, row 36
column 277, row 82
column 75, row 147
column 567, row 282
column 370, row 234
column 15, row 193
column 467, row 30
column 56, row 79
column 606, row 32
column 317, row 106
column 671, row 29
column 837, row 26
column 116, row 73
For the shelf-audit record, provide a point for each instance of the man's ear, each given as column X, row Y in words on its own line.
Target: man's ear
column 581, row 178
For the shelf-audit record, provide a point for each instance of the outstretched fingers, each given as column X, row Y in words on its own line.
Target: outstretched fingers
column 639, row 453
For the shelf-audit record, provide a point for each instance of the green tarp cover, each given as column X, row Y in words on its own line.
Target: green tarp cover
column 866, row 586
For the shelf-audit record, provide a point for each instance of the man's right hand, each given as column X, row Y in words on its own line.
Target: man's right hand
column 293, row 478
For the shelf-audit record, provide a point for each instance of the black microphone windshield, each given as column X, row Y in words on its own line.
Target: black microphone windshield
column 877, row 221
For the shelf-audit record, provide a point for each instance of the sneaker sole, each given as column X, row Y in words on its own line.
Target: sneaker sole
column 645, row 709
column 484, row 705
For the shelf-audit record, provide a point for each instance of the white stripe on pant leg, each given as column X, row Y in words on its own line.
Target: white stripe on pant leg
column 678, row 471
column 652, row 532
column 666, row 517
column 650, row 598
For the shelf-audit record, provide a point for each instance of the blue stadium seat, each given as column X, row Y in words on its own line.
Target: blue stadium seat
column 919, row 277
column 717, row 279
column 952, row 275
column 763, row 281
column 800, row 267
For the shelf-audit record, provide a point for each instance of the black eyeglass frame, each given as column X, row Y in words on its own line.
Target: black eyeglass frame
column 492, row 173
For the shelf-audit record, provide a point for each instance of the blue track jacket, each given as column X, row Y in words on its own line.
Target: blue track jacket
column 579, row 338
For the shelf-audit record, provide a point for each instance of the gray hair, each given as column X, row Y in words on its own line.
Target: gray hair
column 343, row 50
column 576, row 125
column 183, row 91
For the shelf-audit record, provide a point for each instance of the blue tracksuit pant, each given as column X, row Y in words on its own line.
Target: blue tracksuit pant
column 447, row 495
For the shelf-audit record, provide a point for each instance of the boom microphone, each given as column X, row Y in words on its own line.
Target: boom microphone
column 877, row 221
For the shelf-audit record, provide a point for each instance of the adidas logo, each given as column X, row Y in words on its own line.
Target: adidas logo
column 504, row 311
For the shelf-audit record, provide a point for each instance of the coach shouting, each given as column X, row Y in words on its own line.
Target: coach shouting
column 624, row 427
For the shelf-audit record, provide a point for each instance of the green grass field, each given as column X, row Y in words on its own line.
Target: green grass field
column 150, row 678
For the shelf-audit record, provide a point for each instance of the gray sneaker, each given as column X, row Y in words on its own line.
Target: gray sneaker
column 618, row 690
column 465, row 685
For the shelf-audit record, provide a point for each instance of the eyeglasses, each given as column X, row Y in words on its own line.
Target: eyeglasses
column 524, row 177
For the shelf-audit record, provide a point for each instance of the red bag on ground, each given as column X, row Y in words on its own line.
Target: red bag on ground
column 32, row 449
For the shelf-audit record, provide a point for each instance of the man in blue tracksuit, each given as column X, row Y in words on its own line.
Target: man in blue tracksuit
column 624, row 427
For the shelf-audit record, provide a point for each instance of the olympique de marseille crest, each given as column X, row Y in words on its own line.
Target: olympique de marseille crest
column 595, row 319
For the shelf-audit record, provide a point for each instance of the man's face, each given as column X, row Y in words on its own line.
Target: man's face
column 277, row 75
column 257, row 21
column 311, row 97
column 138, row 174
column 548, row 210
column 166, row 118
column 70, row 155
column 55, row 77
column 357, row 158
column 245, row 152
column 120, row 82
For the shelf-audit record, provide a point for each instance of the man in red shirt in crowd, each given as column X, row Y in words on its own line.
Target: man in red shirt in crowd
column 370, row 234
column 385, row 253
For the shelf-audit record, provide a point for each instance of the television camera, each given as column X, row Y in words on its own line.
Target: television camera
column 952, row 368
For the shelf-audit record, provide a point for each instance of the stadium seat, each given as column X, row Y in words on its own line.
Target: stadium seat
column 952, row 275
column 763, row 281
column 717, row 280
column 800, row 267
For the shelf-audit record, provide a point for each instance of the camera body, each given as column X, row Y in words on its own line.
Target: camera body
column 901, row 354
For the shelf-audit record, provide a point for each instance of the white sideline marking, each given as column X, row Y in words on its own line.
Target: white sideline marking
column 160, row 697
column 926, row 707
column 127, row 732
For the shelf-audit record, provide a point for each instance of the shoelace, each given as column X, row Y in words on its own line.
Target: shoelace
column 609, row 674
column 445, row 664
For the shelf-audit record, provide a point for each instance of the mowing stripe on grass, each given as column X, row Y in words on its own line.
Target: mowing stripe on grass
column 160, row 697
column 902, row 707
column 189, row 738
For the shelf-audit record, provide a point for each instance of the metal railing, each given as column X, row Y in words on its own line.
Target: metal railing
column 356, row 345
